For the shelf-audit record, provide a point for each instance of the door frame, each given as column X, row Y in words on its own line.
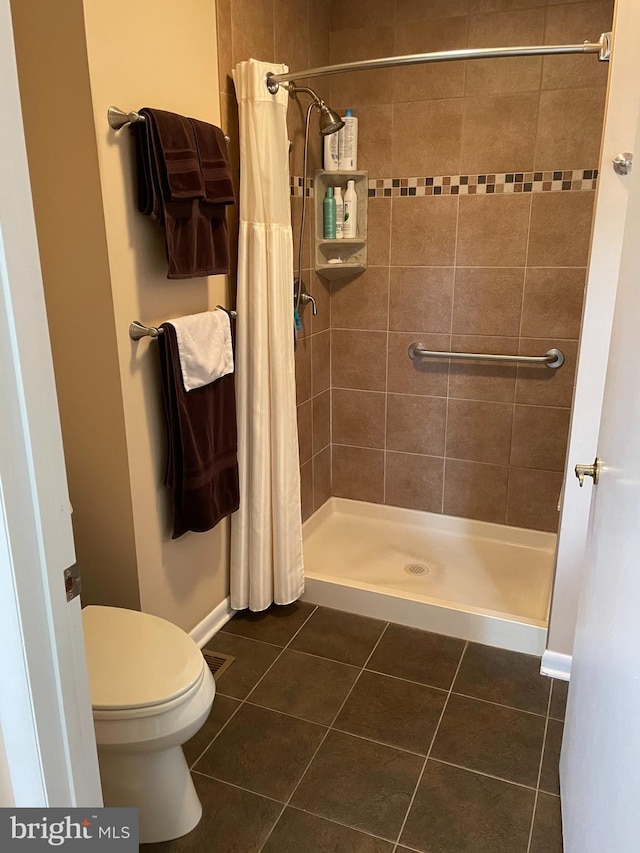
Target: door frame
column 622, row 108
column 47, row 742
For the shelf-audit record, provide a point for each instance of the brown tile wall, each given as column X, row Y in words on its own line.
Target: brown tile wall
column 498, row 273
column 295, row 32
column 471, row 273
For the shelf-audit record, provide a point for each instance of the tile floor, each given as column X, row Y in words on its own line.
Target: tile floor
column 333, row 733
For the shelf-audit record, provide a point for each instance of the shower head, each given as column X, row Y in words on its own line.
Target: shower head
column 330, row 121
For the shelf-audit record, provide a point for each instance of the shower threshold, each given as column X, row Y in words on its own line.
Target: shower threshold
column 470, row 579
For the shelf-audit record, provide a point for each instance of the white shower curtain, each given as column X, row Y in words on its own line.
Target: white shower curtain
column 266, row 532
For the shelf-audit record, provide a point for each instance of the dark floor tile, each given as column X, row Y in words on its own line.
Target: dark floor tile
column 359, row 783
column 262, row 751
column 299, row 832
column 306, row 686
column 417, row 656
column 222, row 708
column 392, row 711
column 456, row 811
column 276, row 625
column 558, row 699
column 505, row 677
column 252, row 660
column 233, row 821
column 547, row 825
column 491, row 739
column 549, row 778
column 339, row 636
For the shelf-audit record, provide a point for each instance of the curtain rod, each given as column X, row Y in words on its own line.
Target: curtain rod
column 602, row 47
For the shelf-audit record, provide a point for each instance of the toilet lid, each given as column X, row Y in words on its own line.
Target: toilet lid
column 135, row 659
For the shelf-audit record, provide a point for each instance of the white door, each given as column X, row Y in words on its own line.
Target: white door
column 47, row 744
column 623, row 101
column 600, row 766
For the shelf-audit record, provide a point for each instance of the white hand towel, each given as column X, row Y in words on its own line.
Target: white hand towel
column 204, row 346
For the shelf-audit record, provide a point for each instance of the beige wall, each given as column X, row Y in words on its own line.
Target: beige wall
column 133, row 58
column 63, row 164
column 166, row 59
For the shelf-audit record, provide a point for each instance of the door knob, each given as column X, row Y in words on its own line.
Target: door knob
column 583, row 471
column 622, row 163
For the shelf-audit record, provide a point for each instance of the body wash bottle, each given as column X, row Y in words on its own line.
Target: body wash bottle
column 350, row 226
column 339, row 212
column 329, row 215
column 348, row 143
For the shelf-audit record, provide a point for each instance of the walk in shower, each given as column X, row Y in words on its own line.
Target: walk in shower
column 435, row 387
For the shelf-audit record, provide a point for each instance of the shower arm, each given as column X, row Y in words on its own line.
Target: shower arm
column 602, row 47
column 293, row 89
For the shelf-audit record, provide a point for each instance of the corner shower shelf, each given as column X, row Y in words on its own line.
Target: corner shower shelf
column 352, row 251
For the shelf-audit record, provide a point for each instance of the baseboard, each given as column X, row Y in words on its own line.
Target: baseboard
column 212, row 623
column 556, row 665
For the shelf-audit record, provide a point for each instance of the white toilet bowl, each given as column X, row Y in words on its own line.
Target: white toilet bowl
column 151, row 690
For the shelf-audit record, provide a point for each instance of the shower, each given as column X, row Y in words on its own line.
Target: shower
column 431, row 484
column 330, row 122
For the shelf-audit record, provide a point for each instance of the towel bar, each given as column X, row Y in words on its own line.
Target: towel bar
column 118, row 118
column 138, row 330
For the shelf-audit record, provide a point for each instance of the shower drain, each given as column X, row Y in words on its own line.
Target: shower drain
column 416, row 569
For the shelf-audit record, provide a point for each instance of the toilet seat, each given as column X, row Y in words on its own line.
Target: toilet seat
column 138, row 664
column 139, row 713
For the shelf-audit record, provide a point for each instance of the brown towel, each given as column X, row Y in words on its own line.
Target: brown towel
column 184, row 193
column 214, row 163
column 202, row 462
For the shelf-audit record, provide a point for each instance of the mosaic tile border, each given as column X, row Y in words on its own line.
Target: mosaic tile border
column 495, row 183
column 500, row 182
column 295, row 186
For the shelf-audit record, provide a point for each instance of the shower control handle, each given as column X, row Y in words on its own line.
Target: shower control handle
column 583, row 471
column 305, row 298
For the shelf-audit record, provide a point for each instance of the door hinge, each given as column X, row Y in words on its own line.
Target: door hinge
column 72, row 582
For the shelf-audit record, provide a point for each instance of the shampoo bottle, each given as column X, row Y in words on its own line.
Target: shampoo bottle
column 339, row 212
column 348, row 143
column 331, row 157
column 350, row 226
column 329, row 215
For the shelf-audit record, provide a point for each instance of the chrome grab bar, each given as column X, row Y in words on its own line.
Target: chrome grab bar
column 553, row 358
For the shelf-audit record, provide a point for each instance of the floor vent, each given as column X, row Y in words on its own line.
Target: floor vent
column 217, row 661
column 416, row 569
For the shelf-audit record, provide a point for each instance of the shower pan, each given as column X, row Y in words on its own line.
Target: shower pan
column 471, row 579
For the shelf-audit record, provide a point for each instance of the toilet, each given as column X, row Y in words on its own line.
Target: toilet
column 151, row 690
